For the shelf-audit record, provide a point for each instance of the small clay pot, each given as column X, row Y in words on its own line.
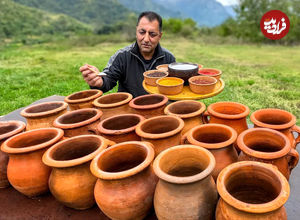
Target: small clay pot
column 174, row 88
column 163, row 67
column 150, row 79
column 79, row 122
column 83, row 99
column 183, row 70
column 251, row 190
column 25, row 170
column 216, row 73
column 43, row 115
column 202, row 84
column 149, row 105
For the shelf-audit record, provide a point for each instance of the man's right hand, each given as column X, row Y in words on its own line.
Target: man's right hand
column 90, row 76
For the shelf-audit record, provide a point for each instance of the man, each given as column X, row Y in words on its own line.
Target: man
column 127, row 65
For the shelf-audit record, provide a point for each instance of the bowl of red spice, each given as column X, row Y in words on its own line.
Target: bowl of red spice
column 210, row 72
column 202, row 84
column 151, row 76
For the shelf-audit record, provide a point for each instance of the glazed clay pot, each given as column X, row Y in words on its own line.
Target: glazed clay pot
column 149, row 105
column 252, row 190
column 83, row 99
column 162, row 131
column 185, row 189
column 216, row 138
column 126, row 181
column 183, row 70
column 269, row 146
column 279, row 120
column 79, row 122
column 43, row 115
column 25, row 170
column 191, row 112
column 113, row 104
column 7, row 130
column 71, row 181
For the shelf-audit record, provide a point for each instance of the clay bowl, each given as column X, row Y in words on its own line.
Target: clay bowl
column 216, row 73
column 183, row 70
column 151, row 76
column 163, row 67
column 83, row 99
column 202, row 84
column 170, row 85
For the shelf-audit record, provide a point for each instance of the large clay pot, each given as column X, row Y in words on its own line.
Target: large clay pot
column 251, row 190
column 269, row 146
column 113, row 104
column 82, row 99
column 185, row 189
column 126, row 181
column 71, row 181
column 7, row 130
column 149, row 105
column 216, row 138
column 25, row 170
column 279, row 120
column 43, row 115
column 191, row 112
column 162, row 131
column 79, row 122
column 120, row 128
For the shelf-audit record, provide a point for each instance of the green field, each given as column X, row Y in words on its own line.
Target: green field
column 259, row 76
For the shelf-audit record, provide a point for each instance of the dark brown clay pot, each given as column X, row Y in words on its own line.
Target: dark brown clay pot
column 7, row 130
column 126, row 181
column 186, row 189
column 149, row 105
column 43, row 115
column 25, row 170
column 79, row 122
column 269, row 146
column 162, row 131
column 279, row 120
column 251, row 190
column 71, row 181
column 83, row 99
column 183, row 70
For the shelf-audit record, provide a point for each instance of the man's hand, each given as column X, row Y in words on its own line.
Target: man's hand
column 89, row 74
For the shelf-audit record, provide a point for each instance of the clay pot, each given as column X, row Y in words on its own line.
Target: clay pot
column 251, row 190
column 189, row 111
column 216, row 73
column 25, row 170
column 120, row 128
column 7, row 130
column 163, row 67
column 79, row 122
column 202, row 84
column 151, row 76
column 162, row 131
column 43, row 115
column 185, row 189
column 113, row 104
column 71, row 181
column 126, row 181
column 170, row 85
column 269, row 146
column 183, row 70
column 83, row 99
column 216, row 138
column 149, row 105
column 279, row 120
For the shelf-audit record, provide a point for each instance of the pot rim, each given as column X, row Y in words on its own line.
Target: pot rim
column 145, row 74
column 20, row 127
column 26, row 114
column 208, row 68
column 189, row 115
column 212, row 112
column 125, row 101
column 196, row 66
column 87, row 99
column 146, row 107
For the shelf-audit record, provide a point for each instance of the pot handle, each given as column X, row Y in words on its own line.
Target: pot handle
column 294, row 158
column 296, row 129
column 205, row 117
column 184, row 139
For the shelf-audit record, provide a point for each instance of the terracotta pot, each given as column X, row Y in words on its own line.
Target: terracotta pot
column 162, row 131
column 251, row 190
column 79, row 122
column 83, row 99
column 7, row 130
column 279, row 120
column 163, row 67
column 191, row 112
column 216, row 73
column 43, row 115
column 120, row 128
column 183, row 70
column 25, row 170
column 71, row 181
column 151, row 76
column 185, row 189
column 149, row 105
column 216, row 138
column 113, row 104
column 170, row 85
column 269, row 146
column 202, row 84
column 126, row 181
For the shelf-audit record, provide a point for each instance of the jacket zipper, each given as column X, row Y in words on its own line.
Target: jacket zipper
column 143, row 62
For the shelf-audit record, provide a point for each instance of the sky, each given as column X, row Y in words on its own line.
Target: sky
column 228, row 2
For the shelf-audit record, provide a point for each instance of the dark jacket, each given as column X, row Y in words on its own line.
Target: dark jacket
column 127, row 67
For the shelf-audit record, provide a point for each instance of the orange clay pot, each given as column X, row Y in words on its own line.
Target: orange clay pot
column 279, row 120
column 43, row 115
column 149, row 105
column 7, row 130
column 126, row 181
column 185, row 189
column 216, row 138
column 83, row 99
column 25, row 170
column 251, row 190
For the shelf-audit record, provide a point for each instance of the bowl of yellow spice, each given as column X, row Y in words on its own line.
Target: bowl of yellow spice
column 170, row 85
